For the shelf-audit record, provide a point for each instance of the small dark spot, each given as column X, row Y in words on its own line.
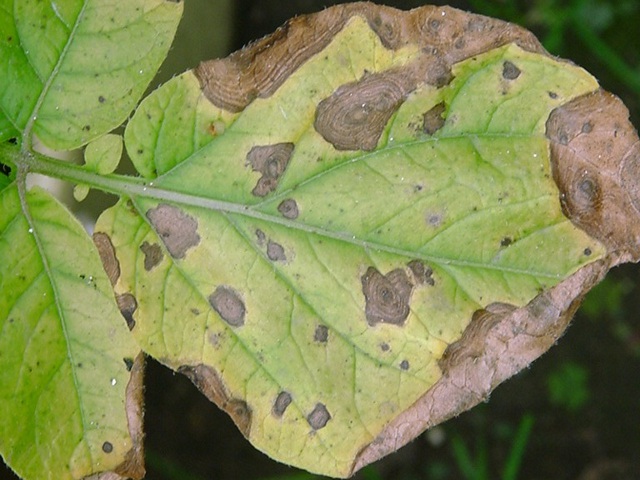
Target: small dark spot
column 101, row 99
column 384, row 347
column 283, row 400
column 228, row 304
column 9, row 38
column 553, row 95
column 434, row 24
column 510, row 71
column 418, row 188
column 195, row 311
column 261, row 237
column 127, row 304
column 107, row 447
column 587, row 252
column 13, row 141
column 587, row 127
column 319, row 417
column 86, row 128
column 506, row 241
column 563, row 138
column 422, row 274
column 432, row 121
column 152, row 255
column 588, row 190
column 215, row 339
column 5, row 169
column 271, row 161
column 321, row 334
column 404, row 365
column 434, row 219
column 128, row 363
column 177, row 230
column 140, row 151
column 289, row 209
column 386, row 296
column 275, row 252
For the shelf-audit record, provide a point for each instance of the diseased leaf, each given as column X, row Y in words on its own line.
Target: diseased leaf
column 70, row 401
column 359, row 226
column 73, row 70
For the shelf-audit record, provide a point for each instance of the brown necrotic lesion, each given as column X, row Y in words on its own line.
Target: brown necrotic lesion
column 177, row 230
column 271, row 161
column 355, row 115
column 386, row 296
column 229, row 305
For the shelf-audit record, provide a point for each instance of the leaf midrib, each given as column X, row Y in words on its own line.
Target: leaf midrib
column 46, row 87
column 123, row 185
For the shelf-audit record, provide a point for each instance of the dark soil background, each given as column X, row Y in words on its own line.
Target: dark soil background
column 582, row 397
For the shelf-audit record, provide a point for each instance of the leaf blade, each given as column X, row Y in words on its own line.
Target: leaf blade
column 71, row 76
column 314, row 281
column 55, row 346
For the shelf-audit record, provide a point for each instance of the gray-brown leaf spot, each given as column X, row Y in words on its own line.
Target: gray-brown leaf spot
column 596, row 170
column 127, row 304
column 404, row 365
column 229, row 305
column 152, row 255
column 108, row 257
column 261, row 238
column 434, row 220
column 289, row 209
column 386, row 296
column 177, row 230
column 510, row 71
column 433, row 120
column 271, row 161
column 107, row 447
column 321, row 335
column 384, row 346
column 275, row 252
column 354, row 116
column 629, row 175
column 283, row 400
column 260, row 68
column 318, row 417
column 210, row 383
column 422, row 274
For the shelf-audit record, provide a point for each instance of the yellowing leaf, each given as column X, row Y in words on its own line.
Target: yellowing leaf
column 358, row 227
column 65, row 352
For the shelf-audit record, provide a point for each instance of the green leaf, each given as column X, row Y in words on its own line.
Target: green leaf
column 103, row 154
column 65, row 351
column 308, row 264
column 74, row 69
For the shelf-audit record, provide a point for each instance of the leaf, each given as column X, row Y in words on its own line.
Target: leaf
column 70, row 372
column 73, row 70
column 66, row 390
column 356, row 228
column 103, row 154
